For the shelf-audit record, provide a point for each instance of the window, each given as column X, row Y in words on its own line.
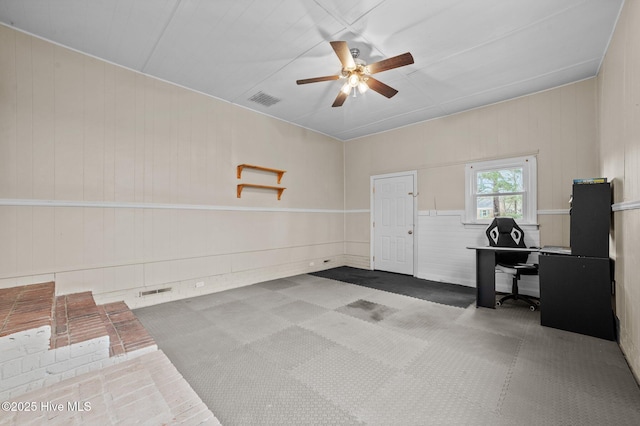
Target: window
column 501, row 188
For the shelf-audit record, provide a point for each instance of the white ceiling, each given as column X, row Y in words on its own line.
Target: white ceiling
column 468, row 53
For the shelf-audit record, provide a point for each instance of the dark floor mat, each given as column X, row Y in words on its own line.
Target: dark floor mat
column 447, row 294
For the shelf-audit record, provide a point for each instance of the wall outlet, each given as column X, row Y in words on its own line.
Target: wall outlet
column 200, row 284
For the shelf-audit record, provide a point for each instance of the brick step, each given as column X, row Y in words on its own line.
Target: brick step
column 76, row 319
column 45, row 339
column 73, row 318
column 126, row 332
column 26, row 307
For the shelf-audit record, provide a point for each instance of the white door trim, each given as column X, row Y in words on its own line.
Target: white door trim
column 414, row 174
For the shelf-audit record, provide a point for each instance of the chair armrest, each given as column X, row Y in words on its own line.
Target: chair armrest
column 525, row 266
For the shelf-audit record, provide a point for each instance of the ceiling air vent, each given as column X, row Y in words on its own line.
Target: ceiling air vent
column 264, row 99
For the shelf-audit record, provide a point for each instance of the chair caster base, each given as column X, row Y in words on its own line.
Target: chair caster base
column 533, row 305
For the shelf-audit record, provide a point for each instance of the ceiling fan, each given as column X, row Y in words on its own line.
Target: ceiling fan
column 358, row 73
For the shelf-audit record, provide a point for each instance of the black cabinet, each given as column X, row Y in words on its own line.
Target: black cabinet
column 576, row 295
column 575, row 289
column 590, row 219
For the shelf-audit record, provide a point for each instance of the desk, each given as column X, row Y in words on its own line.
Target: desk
column 486, row 273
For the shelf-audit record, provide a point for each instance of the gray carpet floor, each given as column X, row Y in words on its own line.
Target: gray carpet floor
column 309, row 350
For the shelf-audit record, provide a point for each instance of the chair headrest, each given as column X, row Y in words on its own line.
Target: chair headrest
column 505, row 224
column 505, row 232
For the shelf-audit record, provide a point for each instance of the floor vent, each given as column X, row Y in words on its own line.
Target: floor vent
column 264, row 99
column 157, row 291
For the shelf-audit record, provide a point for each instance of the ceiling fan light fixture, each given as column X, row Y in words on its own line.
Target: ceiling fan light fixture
column 354, row 80
column 357, row 73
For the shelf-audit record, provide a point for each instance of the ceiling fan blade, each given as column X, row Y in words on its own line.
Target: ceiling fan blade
column 381, row 88
column 340, row 99
column 342, row 50
column 317, row 79
column 391, row 63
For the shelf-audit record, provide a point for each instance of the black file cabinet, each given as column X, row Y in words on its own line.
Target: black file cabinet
column 576, row 294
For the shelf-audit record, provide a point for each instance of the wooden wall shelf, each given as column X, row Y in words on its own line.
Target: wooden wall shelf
column 278, row 172
column 241, row 186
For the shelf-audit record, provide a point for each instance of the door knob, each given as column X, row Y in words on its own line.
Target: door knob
column 410, row 232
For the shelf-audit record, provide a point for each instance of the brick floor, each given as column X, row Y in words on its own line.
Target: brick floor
column 145, row 390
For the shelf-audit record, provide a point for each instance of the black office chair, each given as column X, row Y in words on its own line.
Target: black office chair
column 505, row 232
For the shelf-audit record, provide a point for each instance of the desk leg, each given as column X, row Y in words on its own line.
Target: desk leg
column 486, row 278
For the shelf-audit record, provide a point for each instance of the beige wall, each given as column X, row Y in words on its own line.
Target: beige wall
column 619, row 136
column 77, row 129
column 558, row 125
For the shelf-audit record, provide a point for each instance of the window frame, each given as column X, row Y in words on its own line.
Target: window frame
column 529, row 183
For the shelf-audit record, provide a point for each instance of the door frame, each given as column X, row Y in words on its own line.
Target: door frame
column 414, row 174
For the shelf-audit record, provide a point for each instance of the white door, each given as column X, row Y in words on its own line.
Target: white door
column 393, row 224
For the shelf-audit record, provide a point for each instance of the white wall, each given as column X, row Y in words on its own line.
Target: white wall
column 443, row 256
